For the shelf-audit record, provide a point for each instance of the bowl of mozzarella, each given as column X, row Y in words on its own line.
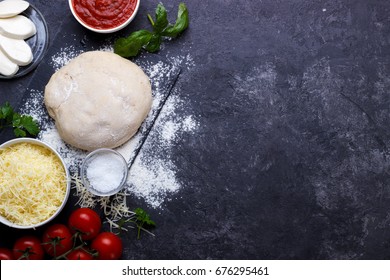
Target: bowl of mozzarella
column 22, row 38
column 34, row 183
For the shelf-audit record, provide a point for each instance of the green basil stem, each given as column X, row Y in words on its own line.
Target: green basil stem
column 151, row 19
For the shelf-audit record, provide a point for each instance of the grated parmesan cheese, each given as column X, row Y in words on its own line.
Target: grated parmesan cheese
column 114, row 207
column 32, row 183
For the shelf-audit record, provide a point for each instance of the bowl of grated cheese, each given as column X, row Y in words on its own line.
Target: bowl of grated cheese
column 34, row 183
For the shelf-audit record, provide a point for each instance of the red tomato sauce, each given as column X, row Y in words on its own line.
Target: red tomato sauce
column 104, row 14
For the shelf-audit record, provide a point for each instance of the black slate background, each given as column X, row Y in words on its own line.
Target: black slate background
column 291, row 158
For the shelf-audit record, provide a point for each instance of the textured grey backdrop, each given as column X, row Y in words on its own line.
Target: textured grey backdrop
column 291, row 156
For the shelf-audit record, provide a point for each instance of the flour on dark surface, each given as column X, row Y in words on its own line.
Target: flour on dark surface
column 152, row 177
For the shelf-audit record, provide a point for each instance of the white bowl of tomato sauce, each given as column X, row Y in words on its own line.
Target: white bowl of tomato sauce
column 104, row 16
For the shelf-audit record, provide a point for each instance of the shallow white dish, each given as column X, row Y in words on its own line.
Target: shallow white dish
column 42, row 144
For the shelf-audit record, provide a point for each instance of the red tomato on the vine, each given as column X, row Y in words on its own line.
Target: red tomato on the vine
column 28, row 248
column 86, row 221
column 79, row 254
column 57, row 240
column 108, row 246
column 6, row 254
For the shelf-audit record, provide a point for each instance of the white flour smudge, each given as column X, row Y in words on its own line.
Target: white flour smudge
column 62, row 58
column 151, row 177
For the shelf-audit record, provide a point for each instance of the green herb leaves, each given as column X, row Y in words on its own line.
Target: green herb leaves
column 161, row 19
column 22, row 124
column 142, row 219
column 181, row 24
column 139, row 219
column 131, row 45
column 151, row 41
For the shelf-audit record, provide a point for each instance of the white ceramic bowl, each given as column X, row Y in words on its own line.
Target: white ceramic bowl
column 110, row 30
column 42, row 144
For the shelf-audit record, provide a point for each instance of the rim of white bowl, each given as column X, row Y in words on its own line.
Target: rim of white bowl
column 66, row 197
column 110, row 30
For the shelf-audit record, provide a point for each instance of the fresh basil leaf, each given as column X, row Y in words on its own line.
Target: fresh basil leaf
column 151, row 41
column 161, row 19
column 130, row 46
column 127, row 48
column 181, row 24
column 154, row 43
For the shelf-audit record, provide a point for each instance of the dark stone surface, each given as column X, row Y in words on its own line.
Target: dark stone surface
column 291, row 159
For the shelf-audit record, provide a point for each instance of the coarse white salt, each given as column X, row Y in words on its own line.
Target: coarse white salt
column 105, row 172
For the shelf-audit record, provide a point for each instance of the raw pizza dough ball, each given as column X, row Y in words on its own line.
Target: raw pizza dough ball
column 99, row 99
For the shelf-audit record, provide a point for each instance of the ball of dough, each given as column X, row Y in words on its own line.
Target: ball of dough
column 98, row 100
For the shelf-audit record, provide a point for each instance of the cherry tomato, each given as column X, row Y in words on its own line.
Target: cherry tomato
column 28, row 248
column 108, row 246
column 86, row 221
column 79, row 254
column 6, row 254
column 57, row 240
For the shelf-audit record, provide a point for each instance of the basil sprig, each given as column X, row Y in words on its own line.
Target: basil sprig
column 151, row 40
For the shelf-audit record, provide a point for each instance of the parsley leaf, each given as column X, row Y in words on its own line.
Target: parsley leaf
column 6, row 112
column 19, row 132
column 21, row 124
column 142, row 218
column 28, row 123
column 151, row 41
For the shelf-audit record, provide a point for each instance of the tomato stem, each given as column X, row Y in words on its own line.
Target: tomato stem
column 66, row 253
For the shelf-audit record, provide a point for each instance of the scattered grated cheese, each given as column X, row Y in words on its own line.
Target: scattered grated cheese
column 86, row 198
column 32, row 183
column 114, row 207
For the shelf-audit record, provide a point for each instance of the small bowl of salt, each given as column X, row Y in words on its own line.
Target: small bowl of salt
column 104, row 172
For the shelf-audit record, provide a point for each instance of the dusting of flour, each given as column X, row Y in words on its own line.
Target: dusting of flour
column 153, row 174
column 151, row 177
